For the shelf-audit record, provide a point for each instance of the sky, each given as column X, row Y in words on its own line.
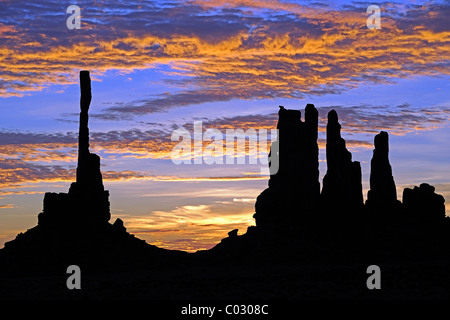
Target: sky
column 159, row 67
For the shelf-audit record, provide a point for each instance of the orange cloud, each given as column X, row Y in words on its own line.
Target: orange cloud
column 321, row 51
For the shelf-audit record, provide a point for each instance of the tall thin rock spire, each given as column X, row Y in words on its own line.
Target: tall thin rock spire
column 85, row 101
column 83, row 135
column 382, row 196
column 89, row 177
column 342, row 188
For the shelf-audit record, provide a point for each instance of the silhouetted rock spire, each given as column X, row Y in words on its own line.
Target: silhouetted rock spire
column 382, row 195
column 85, row 101
column 289, row 143
column 88, row 169
column 342, row 188
column 294, row 190
column 311, row 184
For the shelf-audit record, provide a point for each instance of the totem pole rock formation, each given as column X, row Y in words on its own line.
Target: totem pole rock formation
column 87, row 203
column 89, row 176
column 342, row 188
column 73, row 227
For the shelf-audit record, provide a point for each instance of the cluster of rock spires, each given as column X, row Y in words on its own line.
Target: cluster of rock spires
column 299, row 222
column 294, row 191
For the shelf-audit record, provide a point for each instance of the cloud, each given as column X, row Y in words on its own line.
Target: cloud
column 219, row 50
column 7, row 137
column 400, row 119
column 162, row 103
column 15, row 172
